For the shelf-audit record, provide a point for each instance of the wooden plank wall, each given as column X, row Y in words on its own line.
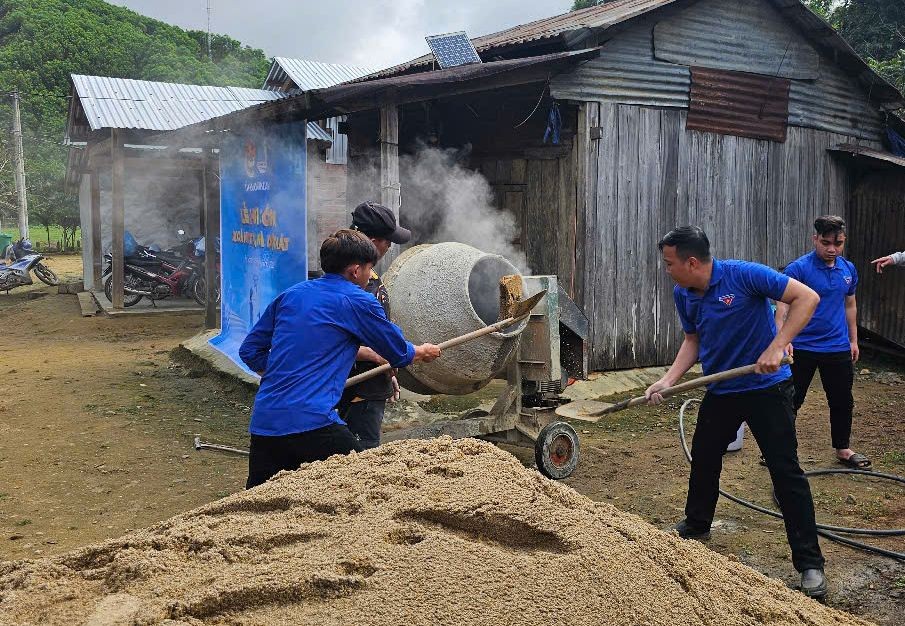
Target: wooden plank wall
column 755, row 199
column 877, row 228
column 543, row 195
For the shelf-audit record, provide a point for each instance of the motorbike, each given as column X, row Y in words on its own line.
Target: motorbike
column 155, row 275
column 18, row 273
column 22, row 249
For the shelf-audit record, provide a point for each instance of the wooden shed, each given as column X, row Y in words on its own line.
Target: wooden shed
column 729, row 114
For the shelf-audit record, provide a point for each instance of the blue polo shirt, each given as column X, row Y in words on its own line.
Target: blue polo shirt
column 828, row 330
column 305, row 343
column 734, row 321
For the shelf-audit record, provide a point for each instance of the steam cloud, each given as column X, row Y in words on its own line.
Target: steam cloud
column 443, row 200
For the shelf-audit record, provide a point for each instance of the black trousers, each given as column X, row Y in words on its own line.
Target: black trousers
column 365, row 419
column 837, row 374
column 771, row 420
column 270, row 455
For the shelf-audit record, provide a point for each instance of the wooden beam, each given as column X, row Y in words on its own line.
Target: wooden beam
column 210, row 194
column 118, row 217
column 97, row 253
column 390, row 189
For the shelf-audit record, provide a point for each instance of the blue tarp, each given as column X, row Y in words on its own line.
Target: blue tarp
column 262, row 226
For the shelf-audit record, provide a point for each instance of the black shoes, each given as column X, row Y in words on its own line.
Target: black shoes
column 687, row 532
column 813, row 583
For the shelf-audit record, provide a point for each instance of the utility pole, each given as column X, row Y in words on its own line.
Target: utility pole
column 19, row 156
column 209, row 57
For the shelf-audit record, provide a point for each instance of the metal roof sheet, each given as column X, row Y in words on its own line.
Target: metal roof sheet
column 316, row 133
column 151, row 105
column 602, row 16
column 312, row 74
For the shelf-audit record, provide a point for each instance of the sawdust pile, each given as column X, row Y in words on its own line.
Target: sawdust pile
column 414, row 532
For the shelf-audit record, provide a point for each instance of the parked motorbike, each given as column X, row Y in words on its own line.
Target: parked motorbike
column 22, row 249
column 18, row 273
column 155, row 275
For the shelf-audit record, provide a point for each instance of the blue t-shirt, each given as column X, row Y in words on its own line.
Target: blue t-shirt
column 305, row 343
column 828, row 329
column 734, row 321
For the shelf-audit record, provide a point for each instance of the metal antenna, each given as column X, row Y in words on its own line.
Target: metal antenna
column 209, row 57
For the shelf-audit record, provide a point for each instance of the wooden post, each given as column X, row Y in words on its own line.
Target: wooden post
column 390, row 189
column 210, row 198
column 97, row 252
column 118, row 222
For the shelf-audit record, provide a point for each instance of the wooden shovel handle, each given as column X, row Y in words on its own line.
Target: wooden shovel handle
column 449, row 343
column 690, row 384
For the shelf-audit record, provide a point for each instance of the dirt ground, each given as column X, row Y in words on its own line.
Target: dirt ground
column 97, row 418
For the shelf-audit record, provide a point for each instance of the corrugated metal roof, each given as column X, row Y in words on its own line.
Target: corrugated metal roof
column 316, row 133
column 870, row 153
column 153, row 105
column 598, row 17
column 149, row 105
column 311, row 74
column 735, row 103
column 601, row 17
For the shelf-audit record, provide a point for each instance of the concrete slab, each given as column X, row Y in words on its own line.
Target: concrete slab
column 199, row 346
column 618, row 381
column 88, row 304
column 171, row 306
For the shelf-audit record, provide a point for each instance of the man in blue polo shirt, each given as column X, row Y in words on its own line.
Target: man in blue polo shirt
column 829, row 342
column 304, row 346
column 724, row 307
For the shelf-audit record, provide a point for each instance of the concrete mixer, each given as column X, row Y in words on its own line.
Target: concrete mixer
column 440, row 291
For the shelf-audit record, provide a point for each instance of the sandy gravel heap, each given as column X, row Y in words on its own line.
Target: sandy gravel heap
column 414, row 532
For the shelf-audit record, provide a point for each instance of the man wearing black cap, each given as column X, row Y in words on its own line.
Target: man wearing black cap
column 362, row 406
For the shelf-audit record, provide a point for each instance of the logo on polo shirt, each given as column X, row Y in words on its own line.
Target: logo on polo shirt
column 848, row 280
column 727, row 299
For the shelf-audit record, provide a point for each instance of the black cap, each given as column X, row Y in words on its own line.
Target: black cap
column 376, row 220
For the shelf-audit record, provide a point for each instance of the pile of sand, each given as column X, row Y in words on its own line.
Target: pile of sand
column 414, row 532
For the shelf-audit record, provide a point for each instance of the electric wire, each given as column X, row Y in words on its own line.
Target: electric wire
column 824, row 530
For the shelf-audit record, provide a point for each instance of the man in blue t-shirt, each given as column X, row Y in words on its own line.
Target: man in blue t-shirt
column 829, row 342
column 724, row 307
column 304, row 346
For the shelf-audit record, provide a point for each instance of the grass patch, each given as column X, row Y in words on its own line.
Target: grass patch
column 894, row 457
column 37, row 234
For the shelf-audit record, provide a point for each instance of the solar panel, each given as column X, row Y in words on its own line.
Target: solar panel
column 452, row 49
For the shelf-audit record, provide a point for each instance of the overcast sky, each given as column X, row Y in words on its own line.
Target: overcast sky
column 372, row 33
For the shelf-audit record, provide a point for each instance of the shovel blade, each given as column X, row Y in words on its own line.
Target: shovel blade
column 584, row 410
column 524, row 307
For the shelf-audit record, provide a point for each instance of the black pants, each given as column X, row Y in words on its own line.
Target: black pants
column 365, row 419
column 270, row 455
column 837, row 374
column 771, row 420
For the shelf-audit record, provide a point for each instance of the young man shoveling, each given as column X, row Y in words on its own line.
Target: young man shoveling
column 304, row 346
column 724, row 307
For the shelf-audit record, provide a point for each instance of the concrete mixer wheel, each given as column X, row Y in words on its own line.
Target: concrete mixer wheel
column 556, row 450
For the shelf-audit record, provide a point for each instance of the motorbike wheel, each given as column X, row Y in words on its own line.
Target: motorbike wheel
column 199, row 292
column 129, row 299
column 46, row 275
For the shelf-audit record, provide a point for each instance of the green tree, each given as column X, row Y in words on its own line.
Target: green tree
column 42, row 42
column 584, row 4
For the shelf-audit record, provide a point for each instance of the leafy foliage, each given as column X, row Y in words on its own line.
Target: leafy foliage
column 584, row 4
column 43, row 41
column 874, row 28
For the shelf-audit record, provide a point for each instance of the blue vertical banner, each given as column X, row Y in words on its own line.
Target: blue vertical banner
column 262, row 225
